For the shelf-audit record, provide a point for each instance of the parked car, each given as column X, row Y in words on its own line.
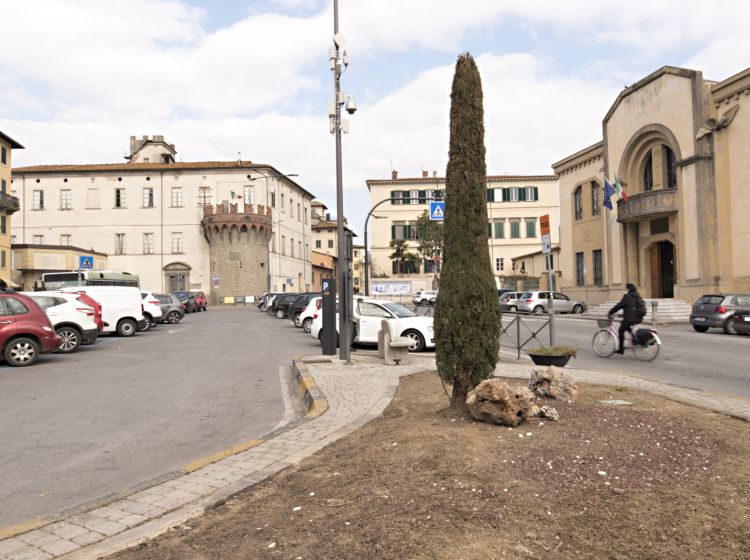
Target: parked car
column 509, row 301
column 306, row 317
column 717, row 311
column 172, row 309
column 425, row 297
column 298, row 305
column 201, row 303
column 369, row 314
column 91, row 302
column 25, row 330
column 741, row 321
column 151, row 310
column 538, row 303
column 280, row 304
column 71, row 318
column 122, row 307
column 188, row 300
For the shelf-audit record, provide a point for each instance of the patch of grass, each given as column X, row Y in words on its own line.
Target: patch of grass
column 620, row 389
column 556, row 350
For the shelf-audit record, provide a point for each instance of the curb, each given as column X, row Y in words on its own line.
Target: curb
column 309, row 392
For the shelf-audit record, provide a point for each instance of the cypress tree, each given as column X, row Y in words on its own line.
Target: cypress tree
column 467, row 316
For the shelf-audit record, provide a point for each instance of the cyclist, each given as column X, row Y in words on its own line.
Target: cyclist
column 631, row 316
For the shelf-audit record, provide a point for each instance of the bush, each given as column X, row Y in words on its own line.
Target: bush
column 557, row 350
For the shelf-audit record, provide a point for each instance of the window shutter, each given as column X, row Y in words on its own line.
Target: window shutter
column 489, row 231
column 422, row 197
column 490, row 195
column 521, row 194
column 393, row 195
column 394, row 267
column 393, row 232
column 536, row 193
column 506, row 195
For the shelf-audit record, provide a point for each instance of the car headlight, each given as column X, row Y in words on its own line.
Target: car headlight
column 430, row 328
column 48, row 329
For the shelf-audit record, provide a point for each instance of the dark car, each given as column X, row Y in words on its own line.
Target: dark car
column 298, row 305
column 280, row 305
column 717, row 311
column 25, row 330
column 172, row 309
column 741, row 321
column 188, row 300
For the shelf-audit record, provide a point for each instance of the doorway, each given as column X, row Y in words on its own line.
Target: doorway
column 177, row 277
column 662, row 270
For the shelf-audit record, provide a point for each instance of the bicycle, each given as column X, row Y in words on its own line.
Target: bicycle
column 645, row 343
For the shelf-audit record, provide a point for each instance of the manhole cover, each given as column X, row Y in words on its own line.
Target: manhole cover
column 616, row 402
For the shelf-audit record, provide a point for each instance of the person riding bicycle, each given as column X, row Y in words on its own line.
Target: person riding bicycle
column 632, row 307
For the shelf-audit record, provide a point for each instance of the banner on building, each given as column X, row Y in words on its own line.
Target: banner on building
column 391, row 287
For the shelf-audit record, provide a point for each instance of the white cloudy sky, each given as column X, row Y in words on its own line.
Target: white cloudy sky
column 217, row 77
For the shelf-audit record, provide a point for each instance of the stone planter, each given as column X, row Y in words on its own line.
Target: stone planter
column 558, row 361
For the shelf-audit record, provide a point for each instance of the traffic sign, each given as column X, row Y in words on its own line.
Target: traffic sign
column 85, row 262
column 437, row 210
column 546, row 240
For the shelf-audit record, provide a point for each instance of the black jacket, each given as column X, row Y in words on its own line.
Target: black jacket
column 629, row 305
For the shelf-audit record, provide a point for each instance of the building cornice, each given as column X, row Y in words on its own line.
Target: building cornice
column 732, row 87
column 579, row 159
column 57, row 248
column 13, row 144
column 441, row 180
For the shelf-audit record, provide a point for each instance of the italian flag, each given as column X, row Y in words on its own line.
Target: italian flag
column 619, row 190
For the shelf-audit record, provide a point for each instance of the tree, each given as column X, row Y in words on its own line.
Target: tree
column 467, row 316
column 431, row 244
column 403, row 256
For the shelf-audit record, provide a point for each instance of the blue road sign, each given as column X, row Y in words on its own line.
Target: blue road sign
column 85, row 263
column 437, row 209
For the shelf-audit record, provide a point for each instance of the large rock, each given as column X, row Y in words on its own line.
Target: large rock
column 495, row 401
column 554, row 383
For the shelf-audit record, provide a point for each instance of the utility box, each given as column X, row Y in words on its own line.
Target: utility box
column 329, row 337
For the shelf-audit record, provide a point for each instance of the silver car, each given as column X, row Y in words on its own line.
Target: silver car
column 538, row 303
column 717, row 311
column 509, row 301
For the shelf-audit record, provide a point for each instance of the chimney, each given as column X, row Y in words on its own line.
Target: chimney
column 434, row 173
column 328, row 216
column 394, row 174
column 425, row 173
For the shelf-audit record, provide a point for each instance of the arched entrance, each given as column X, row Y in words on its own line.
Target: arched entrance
column 177, row 277
column 662, row 261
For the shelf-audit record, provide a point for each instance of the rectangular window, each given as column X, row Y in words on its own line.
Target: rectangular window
column 515, row 229
column 499, row 264
column 578, row 202
column 530, row 227
column 299, row 248
column 282, row 203
column 513, row 194
column 596, row 203
column 291, row 208
column 532, row 194
column 92, row 198
column 299, row 213
column 283, row 239
column 317, row 243
column 248, row 194
column 398, row 230
column 3, row 185
column 330, row 243
column 38, row 240
column 580, row 276
column 3, row 155
column 119, row 198
column 291, row 247
column 176, row 197
column 2, row 259
column 490, row 195
column 307, row 211
column 148, row 197
column 38, row 200
column 204, row 196
column 12, row 239
column 177, row 248
column 65, row 239
column 148, row 243
column 489, row 230
column 66, row 202
column 273, row 197
column 499, row 229
column 598, row 275
column 3, row 224
column 119, row 244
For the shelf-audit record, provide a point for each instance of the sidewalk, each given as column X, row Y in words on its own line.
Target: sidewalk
column 340, row 399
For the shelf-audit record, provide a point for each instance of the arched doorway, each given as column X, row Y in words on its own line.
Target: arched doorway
column 662, row 260
column 177, row 277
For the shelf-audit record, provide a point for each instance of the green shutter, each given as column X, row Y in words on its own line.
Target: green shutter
column 536, row 193
column 422, row 197
column 499, row 230
column 489, row 231
column 394, row 267
column 393, row 195
column 521, row 194
column 393, row 232
column 490, row 195
column 506, row 195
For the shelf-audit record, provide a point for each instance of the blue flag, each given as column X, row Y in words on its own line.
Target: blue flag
column 608, row 192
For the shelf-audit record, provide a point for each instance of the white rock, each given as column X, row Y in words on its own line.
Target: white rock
column 272, row 545
column 296, row 508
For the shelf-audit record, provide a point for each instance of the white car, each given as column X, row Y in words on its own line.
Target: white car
column 369, row 313
column 306, row 317
column 425, row 297
column 122, row 307
column 72, row 319
column 151, row 309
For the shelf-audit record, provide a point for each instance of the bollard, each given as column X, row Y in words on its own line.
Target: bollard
column 654, row 312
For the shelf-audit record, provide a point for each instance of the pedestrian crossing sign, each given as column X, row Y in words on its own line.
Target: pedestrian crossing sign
column 437, row 210
column 85, row 263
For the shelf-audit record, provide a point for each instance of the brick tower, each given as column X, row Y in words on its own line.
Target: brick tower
column 239, row 239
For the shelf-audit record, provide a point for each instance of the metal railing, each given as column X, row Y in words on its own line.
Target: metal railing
column 512, row 333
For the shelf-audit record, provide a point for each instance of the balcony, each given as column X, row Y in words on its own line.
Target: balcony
column 9, row 203
column 647, row 205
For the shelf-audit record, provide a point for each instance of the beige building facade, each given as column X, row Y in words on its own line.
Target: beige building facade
column 9, row 205
column 680, row 146
column 30, row 262
column 146, row 214
column 514, row 206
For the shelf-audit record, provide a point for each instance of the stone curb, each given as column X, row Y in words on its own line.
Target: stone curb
column 309, row 391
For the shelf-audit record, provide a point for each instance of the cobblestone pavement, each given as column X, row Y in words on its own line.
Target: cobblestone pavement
column 355, row 394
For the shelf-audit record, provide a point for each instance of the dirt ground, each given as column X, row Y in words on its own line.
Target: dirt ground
column 653, row 480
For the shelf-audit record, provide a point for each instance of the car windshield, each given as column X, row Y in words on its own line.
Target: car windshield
column 526, row 295
column 398, row 310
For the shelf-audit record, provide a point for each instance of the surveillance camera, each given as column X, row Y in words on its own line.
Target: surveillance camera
column 351, row 106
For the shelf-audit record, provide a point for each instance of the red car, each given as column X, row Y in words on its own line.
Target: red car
column 201, row 303
column 25, row 330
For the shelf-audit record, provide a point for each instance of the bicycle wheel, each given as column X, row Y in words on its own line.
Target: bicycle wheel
column 604, row 344
column 648, row 351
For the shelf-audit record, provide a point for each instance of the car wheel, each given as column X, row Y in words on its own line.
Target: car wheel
column 71, row 339
column 21, row 352
column 578, row 309
column 539, row 310
column 422, row 302
column 729, row 327
column 417, row 340
column 149, row 322
column 700, row 328
column 173, row 317
column 297, row 320
column 513, row 309
column 280, row 313
column 307, row 324
column 126, row 327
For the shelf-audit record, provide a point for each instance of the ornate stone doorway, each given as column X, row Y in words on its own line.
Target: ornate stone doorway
column 662, row 265
column 177, row 277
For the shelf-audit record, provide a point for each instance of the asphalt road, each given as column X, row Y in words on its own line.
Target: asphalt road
column 711, row 361
column 77, row 428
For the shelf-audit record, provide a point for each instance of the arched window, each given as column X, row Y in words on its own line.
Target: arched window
column 671, row 168
column 596, row 205
column 648, row 174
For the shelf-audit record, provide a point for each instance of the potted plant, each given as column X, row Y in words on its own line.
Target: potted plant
column 557, row 355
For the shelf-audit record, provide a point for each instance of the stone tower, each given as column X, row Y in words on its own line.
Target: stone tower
column 239, row 239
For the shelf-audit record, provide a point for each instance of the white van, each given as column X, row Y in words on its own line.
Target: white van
column 122, row 307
